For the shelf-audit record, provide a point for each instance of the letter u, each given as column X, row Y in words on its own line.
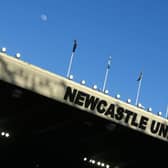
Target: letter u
column 155, row 126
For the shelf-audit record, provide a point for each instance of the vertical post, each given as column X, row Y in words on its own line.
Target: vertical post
column 71, row 59
column 139, row 88
column 167, row 112
column 70, row 64
column 106, row 74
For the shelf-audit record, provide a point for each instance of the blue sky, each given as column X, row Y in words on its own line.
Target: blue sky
column 133, row 32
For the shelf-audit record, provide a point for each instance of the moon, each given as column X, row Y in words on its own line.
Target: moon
column 44, row 17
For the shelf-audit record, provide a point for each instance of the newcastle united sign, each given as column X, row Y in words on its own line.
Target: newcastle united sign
column 117, row 113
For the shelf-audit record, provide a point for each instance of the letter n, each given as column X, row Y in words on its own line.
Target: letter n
column 70, row 94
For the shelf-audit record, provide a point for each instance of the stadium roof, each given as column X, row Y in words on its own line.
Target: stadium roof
column 49, row 115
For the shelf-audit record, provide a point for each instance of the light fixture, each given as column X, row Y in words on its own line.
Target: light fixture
column 3, row 49
column 93, row 161
column 149, row 109
column 18, row 55
column 90, row 161
column 106, row 91
column 7, row 135
column 3, row 133
column 102, row 164
column 98, row 163
column 159, row 113
column 129, row 101
column 83, row 82
column 140, row 106
column 95, row 87
column 118, row 96
column 71, row 77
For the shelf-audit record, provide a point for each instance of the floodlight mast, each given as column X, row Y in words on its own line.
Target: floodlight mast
column 71, row 58
column 139, row 88
column 106, row 74
column 70, row 64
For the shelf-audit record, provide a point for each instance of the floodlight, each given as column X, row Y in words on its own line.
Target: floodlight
column 71, row 77
column 106, row 91
column 102, row 164
column 118, row 96
column 18, row 55
column 3, row 49
column 98, row 163
column 3, row 133
column 93, row 161
column 7, row 135
column 95, row 87
column 159, row 113
column 83, row 82
column 129, row 101
column 139, row 105
column 149, row 109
